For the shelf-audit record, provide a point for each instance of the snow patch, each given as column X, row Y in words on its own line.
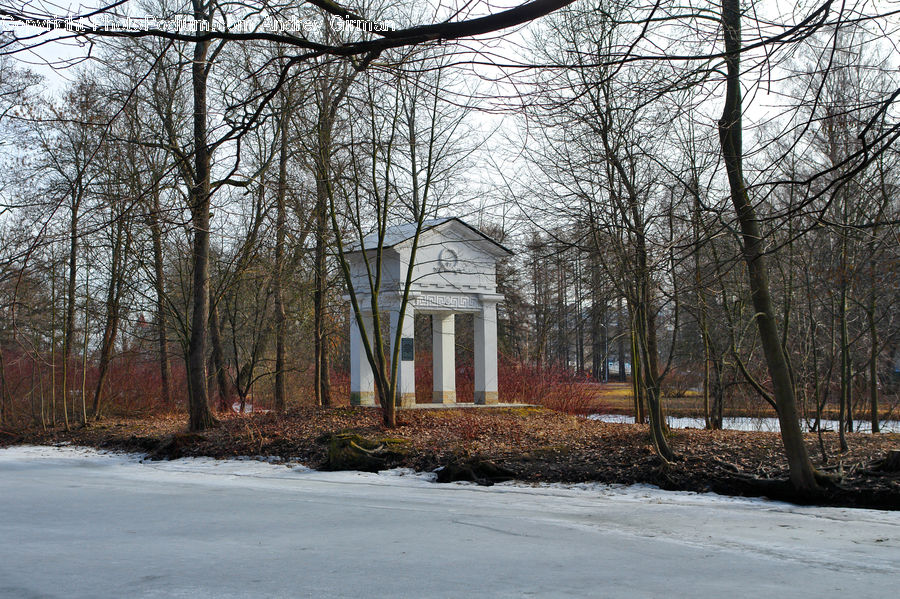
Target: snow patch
column 101, row 524
column 263, row 468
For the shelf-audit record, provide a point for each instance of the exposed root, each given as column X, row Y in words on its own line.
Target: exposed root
column 364, row 450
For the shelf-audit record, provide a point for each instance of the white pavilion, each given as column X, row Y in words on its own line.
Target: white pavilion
column 454, row 272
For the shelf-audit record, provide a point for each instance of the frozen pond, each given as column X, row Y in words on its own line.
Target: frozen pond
column 79, row 523
column 751, row 424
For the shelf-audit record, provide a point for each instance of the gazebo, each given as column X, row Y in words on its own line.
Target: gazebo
column 454, row 272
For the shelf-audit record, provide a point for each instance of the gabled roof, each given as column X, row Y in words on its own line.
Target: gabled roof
column 397, row 234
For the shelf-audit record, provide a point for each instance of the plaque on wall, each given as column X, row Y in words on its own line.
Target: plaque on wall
column 407, row 350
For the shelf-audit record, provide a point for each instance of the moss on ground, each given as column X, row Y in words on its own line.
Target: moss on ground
column 351, row 451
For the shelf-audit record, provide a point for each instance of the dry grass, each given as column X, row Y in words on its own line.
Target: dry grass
column 618, row 398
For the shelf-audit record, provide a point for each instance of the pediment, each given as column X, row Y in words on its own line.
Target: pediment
column 434, row 232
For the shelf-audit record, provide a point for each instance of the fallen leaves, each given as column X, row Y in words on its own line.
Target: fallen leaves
column 537, row 445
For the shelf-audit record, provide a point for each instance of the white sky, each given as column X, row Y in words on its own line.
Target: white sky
column 499, row 162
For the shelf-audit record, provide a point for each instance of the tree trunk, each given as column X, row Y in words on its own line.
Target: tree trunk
column 706, row 406
column 69, row 334
column 802, row 473
column 160, row 289
column 813, row 343
column 330, row 94
column 718, row 395
column 110, row 330
column 873, row 365
column 31, row 393
column 218, row 355
column 201, row 417
column 323, row 397
column 845, row 366
column 43, row 403
column 5, row 404
column 637, row 384
column 701, row 299
column 620, row 331
column 53, row 346
column 280, row 223
column 649, row 352
column 562, row 316
column 597, row 318
column 84, row 353
column 579, row 320
column 644, row 320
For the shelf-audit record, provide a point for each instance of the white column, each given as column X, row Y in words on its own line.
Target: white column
column 406, row 371
column 362, row 381
column 486, row 354
column 444, row 359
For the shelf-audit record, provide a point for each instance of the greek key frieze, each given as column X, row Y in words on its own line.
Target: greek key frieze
column 460, row 302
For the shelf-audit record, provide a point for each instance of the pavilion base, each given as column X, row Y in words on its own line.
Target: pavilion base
column 467, row 405
column 486, row 397
column 443, row 397
column 462, row 405
column 362, row 398
column 406, row 400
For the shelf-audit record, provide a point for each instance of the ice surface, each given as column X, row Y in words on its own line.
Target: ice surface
column 751, row 424
column 83, row 523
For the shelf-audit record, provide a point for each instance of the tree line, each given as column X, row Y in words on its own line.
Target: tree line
column 187, row 198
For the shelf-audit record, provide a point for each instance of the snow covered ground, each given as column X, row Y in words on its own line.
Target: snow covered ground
column 81, row 523
column 751, row 424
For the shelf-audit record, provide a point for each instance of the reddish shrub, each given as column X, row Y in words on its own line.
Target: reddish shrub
column 519, row 382
column 550, row 386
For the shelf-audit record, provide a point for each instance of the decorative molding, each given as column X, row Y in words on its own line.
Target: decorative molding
column 447, row 259
column 460, row 302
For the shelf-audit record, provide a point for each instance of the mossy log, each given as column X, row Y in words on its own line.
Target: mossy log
column 349, row 451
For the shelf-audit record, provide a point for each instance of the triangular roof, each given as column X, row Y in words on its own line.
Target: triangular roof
column 397, row 234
